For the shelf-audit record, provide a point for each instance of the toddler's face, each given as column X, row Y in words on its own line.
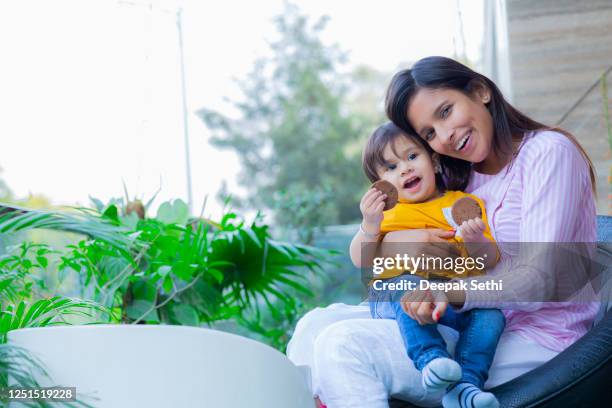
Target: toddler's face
column 410, row 169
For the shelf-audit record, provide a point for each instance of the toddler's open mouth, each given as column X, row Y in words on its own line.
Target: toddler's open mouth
column 412, row 183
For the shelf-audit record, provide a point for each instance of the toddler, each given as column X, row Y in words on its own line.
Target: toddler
column 408, row 163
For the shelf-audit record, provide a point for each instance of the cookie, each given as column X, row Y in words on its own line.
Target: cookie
column 465, row 209
column 389, row 189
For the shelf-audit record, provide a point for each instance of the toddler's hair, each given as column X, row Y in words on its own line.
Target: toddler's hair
column 384, row 135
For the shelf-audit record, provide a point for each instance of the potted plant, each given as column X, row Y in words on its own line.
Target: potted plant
column 147, row 272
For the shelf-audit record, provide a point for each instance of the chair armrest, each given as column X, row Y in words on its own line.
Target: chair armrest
column 578, row 374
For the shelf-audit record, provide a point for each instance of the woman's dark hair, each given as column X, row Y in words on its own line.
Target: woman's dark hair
column 383, row 136
column 446, row 73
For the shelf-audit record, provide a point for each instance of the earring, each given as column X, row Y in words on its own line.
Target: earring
column 437, row 168
column 485, row 99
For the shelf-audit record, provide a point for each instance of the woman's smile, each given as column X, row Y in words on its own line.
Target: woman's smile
column 463, row 145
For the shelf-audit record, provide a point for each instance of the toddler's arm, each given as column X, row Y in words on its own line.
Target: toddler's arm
column 371, row 206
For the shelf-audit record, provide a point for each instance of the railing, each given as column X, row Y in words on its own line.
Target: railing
column 589, row 120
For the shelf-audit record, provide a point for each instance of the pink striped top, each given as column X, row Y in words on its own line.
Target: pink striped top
column 543, row 195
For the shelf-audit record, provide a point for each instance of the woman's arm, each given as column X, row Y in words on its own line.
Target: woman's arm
column 419, row 242
column 414, row 243
column 556, row 197
column 556, row 201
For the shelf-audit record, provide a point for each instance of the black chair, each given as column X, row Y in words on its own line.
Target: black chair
column 580, row 376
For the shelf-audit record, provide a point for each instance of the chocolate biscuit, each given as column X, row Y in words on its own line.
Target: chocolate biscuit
column 464, row 209
column 389, row 189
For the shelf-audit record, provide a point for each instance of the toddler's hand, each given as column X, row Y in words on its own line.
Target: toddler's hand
column 371, row 206
column 473, row 230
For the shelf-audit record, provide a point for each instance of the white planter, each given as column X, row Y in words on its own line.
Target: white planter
column 166, row 366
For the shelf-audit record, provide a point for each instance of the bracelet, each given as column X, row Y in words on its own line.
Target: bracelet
column 367, row 234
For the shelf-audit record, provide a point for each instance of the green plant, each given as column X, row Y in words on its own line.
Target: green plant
column 42, row 313
column 170, row 268
column 18, row 310
column 81, row 221
column 23, row 303
column 18, row 271
column 194, row 271
column 136, row 269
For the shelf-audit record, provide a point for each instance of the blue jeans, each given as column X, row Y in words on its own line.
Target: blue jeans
column 479, row 332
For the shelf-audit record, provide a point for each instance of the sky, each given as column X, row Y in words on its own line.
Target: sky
column 90, row 90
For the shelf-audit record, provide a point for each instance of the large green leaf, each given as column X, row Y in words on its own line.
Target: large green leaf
column 45, row 312
column 84, row 222
column 144, row 310
column 176, row 212
column 185, row 315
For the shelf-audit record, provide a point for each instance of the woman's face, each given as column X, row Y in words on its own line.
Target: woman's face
column 453, row 123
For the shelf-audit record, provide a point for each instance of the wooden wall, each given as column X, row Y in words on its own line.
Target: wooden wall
column 558, row 49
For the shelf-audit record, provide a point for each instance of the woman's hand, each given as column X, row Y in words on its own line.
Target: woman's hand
column 424, row 306
column 417, row 243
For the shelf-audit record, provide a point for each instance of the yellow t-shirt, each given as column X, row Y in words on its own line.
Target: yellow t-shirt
column 430, row 214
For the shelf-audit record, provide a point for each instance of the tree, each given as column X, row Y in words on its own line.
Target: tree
column 294, row 135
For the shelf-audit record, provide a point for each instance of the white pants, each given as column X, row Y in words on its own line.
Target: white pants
column 357, row 361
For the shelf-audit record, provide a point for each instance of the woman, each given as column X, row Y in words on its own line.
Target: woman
column 538, row 186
